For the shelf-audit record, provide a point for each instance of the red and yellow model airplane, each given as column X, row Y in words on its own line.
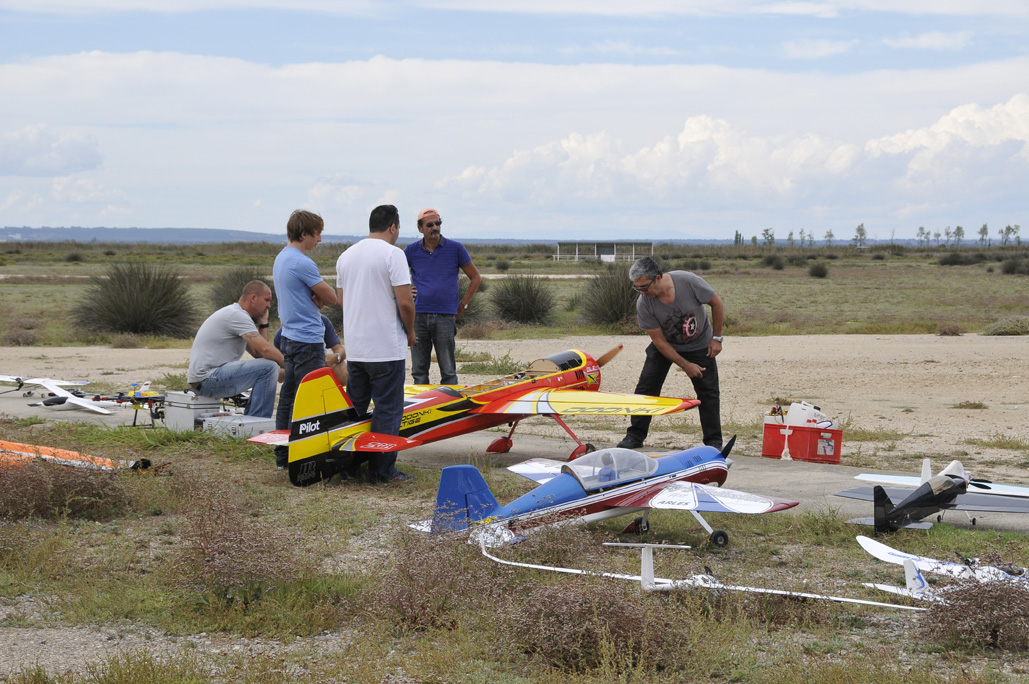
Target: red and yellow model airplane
column 326, row 428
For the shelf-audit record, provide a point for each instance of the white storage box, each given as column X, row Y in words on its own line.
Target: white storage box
column 238, row 426
column 186, row 410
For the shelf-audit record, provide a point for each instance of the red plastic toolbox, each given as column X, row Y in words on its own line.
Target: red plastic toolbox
column 806, row 443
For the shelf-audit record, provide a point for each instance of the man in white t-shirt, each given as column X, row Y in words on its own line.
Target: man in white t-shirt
column 373, row 285
column 215, row 365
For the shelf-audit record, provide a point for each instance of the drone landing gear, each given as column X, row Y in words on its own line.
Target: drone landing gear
column 718, row 538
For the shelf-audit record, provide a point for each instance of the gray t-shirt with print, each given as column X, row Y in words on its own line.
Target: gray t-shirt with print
column 684, row 322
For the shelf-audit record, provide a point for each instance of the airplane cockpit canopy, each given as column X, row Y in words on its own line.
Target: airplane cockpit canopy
column 608, row 467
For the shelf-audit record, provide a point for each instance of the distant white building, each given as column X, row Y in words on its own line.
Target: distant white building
column 603, row 251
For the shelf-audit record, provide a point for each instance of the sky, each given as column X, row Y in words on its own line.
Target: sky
column 527, row 119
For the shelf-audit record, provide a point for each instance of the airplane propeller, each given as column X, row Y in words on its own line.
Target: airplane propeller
column 609, row 355
column 728, row 447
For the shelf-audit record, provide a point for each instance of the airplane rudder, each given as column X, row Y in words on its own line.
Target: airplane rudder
column 881, row 501
column 463, row 497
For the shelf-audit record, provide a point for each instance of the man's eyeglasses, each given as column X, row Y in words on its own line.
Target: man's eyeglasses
column 643, row 288
column 433, row 225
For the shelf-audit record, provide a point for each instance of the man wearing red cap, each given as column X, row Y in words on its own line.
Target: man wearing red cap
column 435, row 264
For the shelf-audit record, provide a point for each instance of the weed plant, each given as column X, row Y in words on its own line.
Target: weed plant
column 41, row 489
column 523, row 299
column 140, row 298
column 819, row 269
column 609, row 299
column 487, row 364
column 980, row 614
column 1012, row 325
column 229, row 287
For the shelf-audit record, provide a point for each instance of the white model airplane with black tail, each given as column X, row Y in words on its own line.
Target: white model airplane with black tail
column 948, row 490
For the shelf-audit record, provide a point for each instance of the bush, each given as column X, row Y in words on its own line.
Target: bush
column 74, row 257
column 774, row 261
column 961, row 259
column 523, row 299
column 819, row 269
column 1015, row 266
column 140, row 298
column 229, row 287
column 476, row 310
column 502, row 265
column 950, row 331
column 983, row 614
column 1012, row 325
column 39, row 489
column 609, row 298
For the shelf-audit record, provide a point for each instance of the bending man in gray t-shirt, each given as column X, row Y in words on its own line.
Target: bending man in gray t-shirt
column 215, row 365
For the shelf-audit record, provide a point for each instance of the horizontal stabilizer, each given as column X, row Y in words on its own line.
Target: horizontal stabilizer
column 275, row 437
column 376, row 442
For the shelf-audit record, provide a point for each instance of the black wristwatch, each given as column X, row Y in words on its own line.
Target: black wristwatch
column 262, row 326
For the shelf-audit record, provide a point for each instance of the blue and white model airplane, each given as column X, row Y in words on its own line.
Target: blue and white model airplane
column 600, row 485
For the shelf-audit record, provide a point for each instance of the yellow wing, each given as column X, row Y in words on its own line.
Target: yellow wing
column 586, row 403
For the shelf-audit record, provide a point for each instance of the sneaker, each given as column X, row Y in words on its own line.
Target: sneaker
column 630, row 442
column 401, row 477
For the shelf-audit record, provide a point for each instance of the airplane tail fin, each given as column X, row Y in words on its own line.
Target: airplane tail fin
column 913, row 579
column 927, row 471
column 463, row 498
column 319, row 394
column 881, row 504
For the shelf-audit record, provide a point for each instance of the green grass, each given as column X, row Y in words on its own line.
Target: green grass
column 908, row 292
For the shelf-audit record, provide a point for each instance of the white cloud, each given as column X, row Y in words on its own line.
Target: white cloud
column 83, row 191
column 933, row 40
column 38, row 150
column 816, row 49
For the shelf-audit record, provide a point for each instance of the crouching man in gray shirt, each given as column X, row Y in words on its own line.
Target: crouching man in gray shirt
column 216, row 368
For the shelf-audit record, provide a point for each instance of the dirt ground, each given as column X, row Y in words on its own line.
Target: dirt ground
column 898, row 392
column 903, row 388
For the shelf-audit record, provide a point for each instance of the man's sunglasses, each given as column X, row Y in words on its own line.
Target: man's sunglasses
column 643, row 288
column 433, row 225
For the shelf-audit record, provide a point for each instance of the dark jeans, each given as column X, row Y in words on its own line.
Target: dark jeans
column 381, row 382
column 300, row 359
column 434, row 330
column 652, row 379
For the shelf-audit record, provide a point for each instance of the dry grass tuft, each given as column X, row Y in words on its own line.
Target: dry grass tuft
column 981, row 614
column 226, row 548
column 1012, row 325
column 44, row 490
column 950, row 331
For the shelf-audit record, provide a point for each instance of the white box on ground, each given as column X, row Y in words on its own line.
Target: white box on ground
column 186, row 410
column 238, row 426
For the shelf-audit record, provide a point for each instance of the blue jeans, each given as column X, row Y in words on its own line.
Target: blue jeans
column 434, row 330
column 260, row 376
column 300, row 359
column 381, row 382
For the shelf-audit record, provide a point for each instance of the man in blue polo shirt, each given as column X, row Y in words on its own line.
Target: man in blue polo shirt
column 435, row 263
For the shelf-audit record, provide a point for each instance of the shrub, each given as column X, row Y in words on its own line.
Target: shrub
column 523, row 299
column 44, row 490
column 878, row 257
column 819, row 269
column 140, row 298
column 609, row 298
column 502, row 265
column 950, row 331
column 1012, row 325
column 19, row 337
column 476, row 310
column 229, row 287
column 984, row 614
column 961, row 259
column 774, row 261
column 74, row 257
column 1015, row 266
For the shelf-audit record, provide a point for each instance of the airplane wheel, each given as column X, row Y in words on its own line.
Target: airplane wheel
column 639, row 525
column 939, row 518
column 973, row 522
column 580, row 450
column 719, row 539
column 501, row 445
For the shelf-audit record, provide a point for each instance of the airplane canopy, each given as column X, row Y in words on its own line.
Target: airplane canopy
column 607, row 467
